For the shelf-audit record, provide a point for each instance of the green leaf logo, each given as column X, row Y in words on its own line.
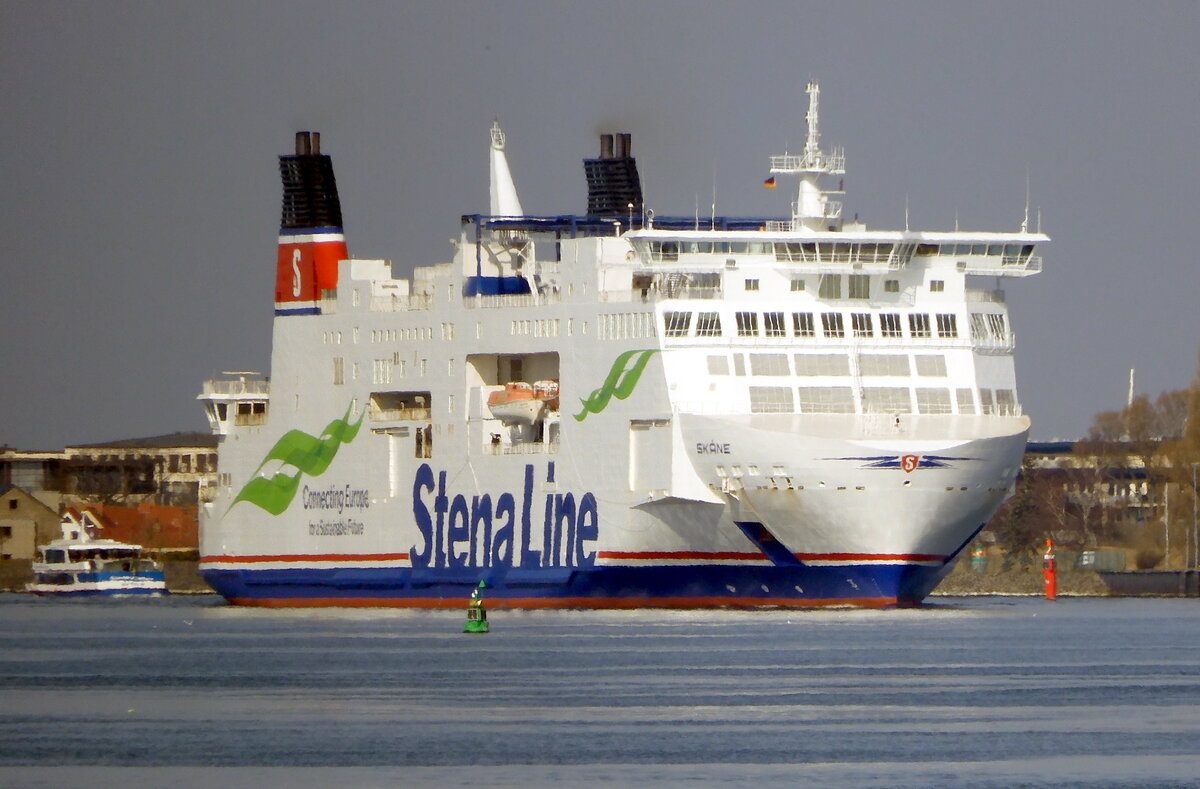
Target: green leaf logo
column 619, row 383
column 307, row 454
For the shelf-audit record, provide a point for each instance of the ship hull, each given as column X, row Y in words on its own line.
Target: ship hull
column 674, row 586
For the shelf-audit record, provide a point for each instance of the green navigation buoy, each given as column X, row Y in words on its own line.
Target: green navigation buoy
column 476, row 613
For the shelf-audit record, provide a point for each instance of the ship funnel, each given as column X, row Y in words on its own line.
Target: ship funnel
column 311, row 240
column 613, row 182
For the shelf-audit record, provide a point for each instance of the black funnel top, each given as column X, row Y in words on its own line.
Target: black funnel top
column 310, row 196
column 613, row 181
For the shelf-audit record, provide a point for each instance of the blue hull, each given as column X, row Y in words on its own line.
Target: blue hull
column 694, row 586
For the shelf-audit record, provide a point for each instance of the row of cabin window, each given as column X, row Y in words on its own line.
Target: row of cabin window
column 790, row 250
column 804, row 324
column 830, row 364
column 858, row 286
column 879, row 400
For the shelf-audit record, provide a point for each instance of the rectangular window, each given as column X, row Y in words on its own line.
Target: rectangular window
column 830, row 286
column 985, row 401
column 822, row 364
column 802, row 324
column 718, row 365
column 937, row 285
column 931, row 366
column 860, row 286
column 773, row 324
column 797, row 284
column 886, row 400
column 996, row 324
column 677, row 324
column 751, row 284
column 947, row 325
column 708, row 324
column 831, row 324
column 747, row 324
column 966, row 403
column 339, row 371
column 769, row 364
column 933, row 401
column 826, row 400
column 1006, row 402
column 883, row 364
column 889, row 325
column 918, row 325
column 891, row 286
column 771, row 400
column 739, row 364
column 862, row 324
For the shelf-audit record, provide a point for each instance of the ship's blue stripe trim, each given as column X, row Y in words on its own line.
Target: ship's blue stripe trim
column 309, row 231
column 298, row 311
column 904, row 583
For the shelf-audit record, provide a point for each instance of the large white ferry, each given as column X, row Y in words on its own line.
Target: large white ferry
column 620, row 410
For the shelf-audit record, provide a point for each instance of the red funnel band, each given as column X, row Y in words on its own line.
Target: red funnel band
column 308, row 265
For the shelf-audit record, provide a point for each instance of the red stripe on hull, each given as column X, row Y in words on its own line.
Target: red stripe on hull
column 713, row 555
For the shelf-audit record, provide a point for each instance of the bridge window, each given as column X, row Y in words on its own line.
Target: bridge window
column 889, row 325
column 831, row 324
column 774, row 325
column 802, row 324
column 862, row 325
column 918, row 325
column 747, row 324
column 677, row 324
column 708, row 324
column 947, row 325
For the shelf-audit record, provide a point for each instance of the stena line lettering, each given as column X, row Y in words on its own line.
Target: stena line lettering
column 500, row 531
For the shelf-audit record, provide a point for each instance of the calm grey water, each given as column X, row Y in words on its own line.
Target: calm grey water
column 989, row 692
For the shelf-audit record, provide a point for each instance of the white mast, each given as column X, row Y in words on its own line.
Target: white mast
column 503, row 192
column 813, row 208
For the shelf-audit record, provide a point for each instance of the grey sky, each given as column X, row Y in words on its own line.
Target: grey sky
column 141, row 197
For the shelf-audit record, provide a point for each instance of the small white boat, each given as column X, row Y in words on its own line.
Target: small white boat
column 80, row 564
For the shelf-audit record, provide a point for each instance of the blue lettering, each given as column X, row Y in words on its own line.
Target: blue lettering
column 588, row 530
column 502, row 542
column 422, row 481
column 481, row 513
column 439, row 506
column 529, row 558
column 564, row 512
column 455, row 532
column 459, row 530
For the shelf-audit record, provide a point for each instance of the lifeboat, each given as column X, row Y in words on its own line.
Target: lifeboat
column 516, row 404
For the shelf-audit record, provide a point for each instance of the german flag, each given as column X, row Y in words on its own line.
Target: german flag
column 770, row 182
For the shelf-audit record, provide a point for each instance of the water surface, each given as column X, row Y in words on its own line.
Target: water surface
column 992, row 692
